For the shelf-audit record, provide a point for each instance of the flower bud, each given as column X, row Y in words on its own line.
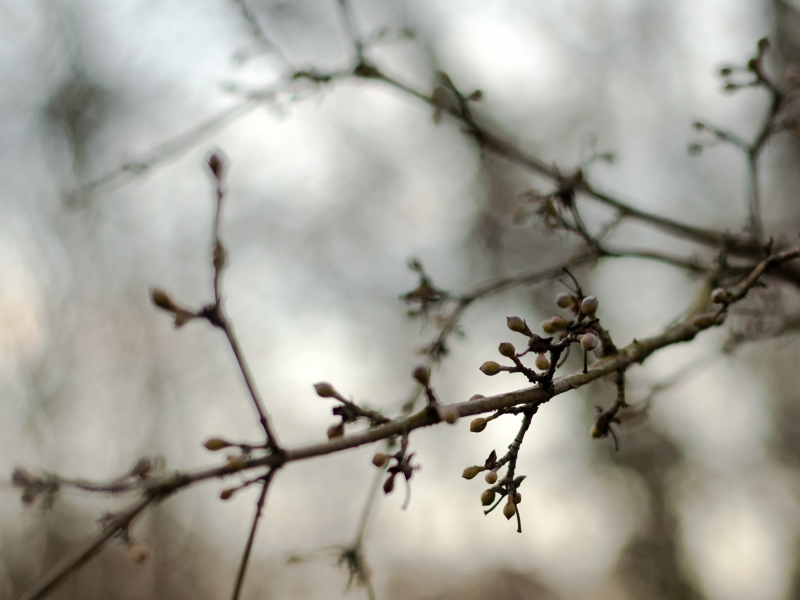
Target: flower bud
column 161, row 299
column 589, row 306
column 517, row 497
column 472, row 472
column 703, row 321
column 422, row 374
column 516, row 324
column 324, row 389
column 589, row 341
column 215, row 444
column 379, row 459
column 476, row 397
column 563, row 300
column 541, row 362
column 215, row 164
column 507, row 350
column 227, row 494
column 595, row 432
column 448, row 414
column 487, row 498
column 509, row 510
column 763, row 44
column 335, row 431
column 490, row 368
column 719, row 296
column 477, row 425
column 548, row 327
column 388, row 485
column 491, row 477
column 138, row 552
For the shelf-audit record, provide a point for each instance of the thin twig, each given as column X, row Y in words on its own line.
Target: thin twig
column 240, row 575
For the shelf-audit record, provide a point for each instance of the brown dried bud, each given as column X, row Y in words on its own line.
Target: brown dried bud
column 161, row 299
column 227, row 494
column 219, row 255
column 477, row 425
column 595, row 432
column 476, row 397
column 509, row 510
column 487, row 498
column 472, row 472
column 517, row 497
column 379, row 459
column 589, row 306
column 324, row 389
column 138, row 552
column 388, row 485
column 541, row 362
column 752, row 64
column 517, row 324
column 490, row 368
column 448, row 414
column 703, row 321
column 335, row 431
column 507, row 350
column 422, row 374
column 491, row 477
column 719, row 296
column 215, row 164
column 564, row 300
column 589, row 341
column 215, row 444
column 236, row 463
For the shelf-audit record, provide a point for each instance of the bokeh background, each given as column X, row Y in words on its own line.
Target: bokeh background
column 330, row 190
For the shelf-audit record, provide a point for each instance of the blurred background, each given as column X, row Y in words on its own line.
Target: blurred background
column 110, row 111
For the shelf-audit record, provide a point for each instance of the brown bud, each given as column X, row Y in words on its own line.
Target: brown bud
column 335, row 431
column 161, row 299
column 507, row 350
column 477, row 425
column 487, row 498
column 541, row 362
column 138, row 552
column 490, row 368
column 215, row 164
column 517, row 497
column 21, row 477
column 491, row 477
column 236, row 463
column 564, row 300
column 719, row 296
column 324, row 389
column 589, row 306
column 227, row 494
column 472, row 472
column 726, row 71
column 219, row 255
column 509, row 510
column 388, row 485
column 379, row 459
column 215, row 444
column 448, row 414
column 752, row 64
column 589, row 341
column 422, row 374
column 763, row 44
column 476, row 397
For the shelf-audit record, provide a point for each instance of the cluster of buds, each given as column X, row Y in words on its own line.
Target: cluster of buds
column 402, row 466
column 505, row 488
column 583, row 328
column 347, row 410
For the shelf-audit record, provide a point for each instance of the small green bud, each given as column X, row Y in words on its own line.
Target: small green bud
column 719, row 296
column 215, row 444
column 487, row 498
column 490, row 368
column 589, row 306
column 491, row 477
column 379, row 459
column 335, row 431
column 516, row 324
column 477, row 425
column 472, row 472
column 564, row 300
column 324, row 389
column 507, row 350
column 541, row 362
column 422, row 374
column 589, row 341
column 509, row 510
